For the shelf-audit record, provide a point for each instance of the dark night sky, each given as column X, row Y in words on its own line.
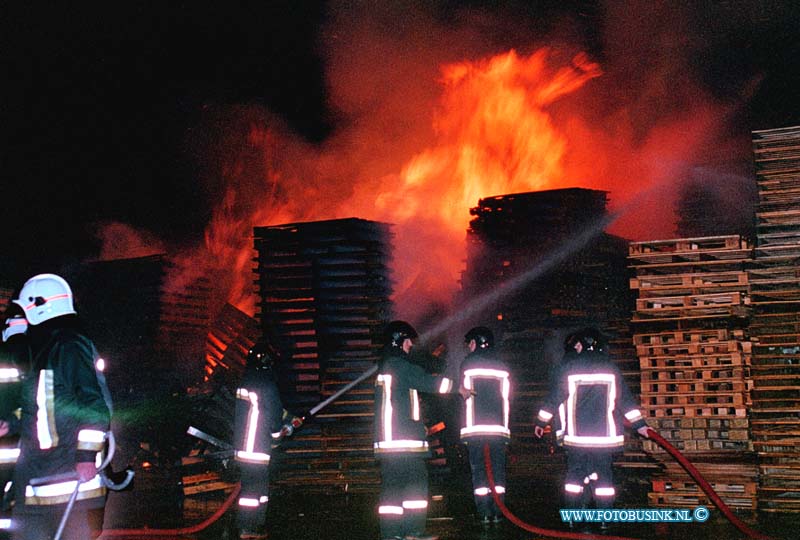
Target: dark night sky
column 98, row 99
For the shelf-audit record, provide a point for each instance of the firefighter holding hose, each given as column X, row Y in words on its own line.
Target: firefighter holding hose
column 260, row 423
column 590, row 397
column 65, row 413
column 400, row 444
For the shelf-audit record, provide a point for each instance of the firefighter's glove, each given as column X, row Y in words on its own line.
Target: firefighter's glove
column 466, row 393
column 538, row 431
column 86, row 470
column 644, row 431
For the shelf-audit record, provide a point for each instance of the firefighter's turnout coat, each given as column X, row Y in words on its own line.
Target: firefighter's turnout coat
column 65, row 414
column 257, row 428
column 258, row 417
column 398, row 428
column 485, row 423
column 486, row 411
column 591, row 398
column 400, row 442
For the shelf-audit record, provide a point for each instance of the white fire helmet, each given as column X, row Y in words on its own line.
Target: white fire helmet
column 14, row 326
column 45, row 297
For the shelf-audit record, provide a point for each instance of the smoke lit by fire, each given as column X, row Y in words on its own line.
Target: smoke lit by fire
column 422, row 136
column 491, row 135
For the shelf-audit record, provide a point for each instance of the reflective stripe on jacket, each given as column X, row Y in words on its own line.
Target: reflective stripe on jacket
column 486, row 411
column 65, row 413
column 258, row 415
column 590, row 397
column 398, row 426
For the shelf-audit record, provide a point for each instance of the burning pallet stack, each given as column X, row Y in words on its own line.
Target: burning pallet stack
column 577, row 278
column 229, row 339
column 694, row 355
column 227, row 343
column 324, row 292
column 775, row 291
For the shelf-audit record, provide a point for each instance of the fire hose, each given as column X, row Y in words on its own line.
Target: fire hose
column 685, row 463
column 680, row 458
column 112, row 533
column 73, row 477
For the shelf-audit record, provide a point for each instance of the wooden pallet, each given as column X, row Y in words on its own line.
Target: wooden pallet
column 694, row 411
column 693, row 499
column 205, row 483
column 668, row 304
column 695, row 361
column 705, row 434
column 689, row 376
column 695, row 348
column 690, row 423
column 726, row 487
column 680, row 245
column 781, row 218
column 696, row 391
column 692, row 283
column 719, row 447
column 654, row 401
column 687, row 336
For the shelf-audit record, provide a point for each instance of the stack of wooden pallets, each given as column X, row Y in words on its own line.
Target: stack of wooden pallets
column 774, row 278
column 324, row 292
column 694, row 355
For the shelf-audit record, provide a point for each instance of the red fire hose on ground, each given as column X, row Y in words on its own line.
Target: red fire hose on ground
column 137, row 533
column 533, row 528
column 114, row 533
column 706, row 487
column 685, row 463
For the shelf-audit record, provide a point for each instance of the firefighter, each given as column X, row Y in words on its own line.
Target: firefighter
column 400, row 444
column 591, row 398
column 486, row 379
column 260, row 423
column 65, row 414
column 15, row 358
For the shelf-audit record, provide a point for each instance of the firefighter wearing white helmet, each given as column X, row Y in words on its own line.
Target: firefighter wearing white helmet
column 65, row 414
column 44, row 297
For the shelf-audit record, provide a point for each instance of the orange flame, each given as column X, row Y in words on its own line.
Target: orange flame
column 493, row 137
column 494, row 132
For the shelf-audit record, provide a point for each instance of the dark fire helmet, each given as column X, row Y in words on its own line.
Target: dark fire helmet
column 397, row 332
column 484, row 338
